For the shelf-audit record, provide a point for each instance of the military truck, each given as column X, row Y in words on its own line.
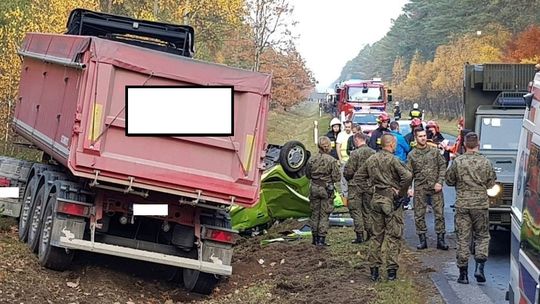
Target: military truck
column 494, row 109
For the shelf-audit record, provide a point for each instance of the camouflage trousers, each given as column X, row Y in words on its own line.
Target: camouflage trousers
column 321, row 206
column 360, row 210
column 387, row 228
column 421, row 200
column 472, row 223
column 344, row 185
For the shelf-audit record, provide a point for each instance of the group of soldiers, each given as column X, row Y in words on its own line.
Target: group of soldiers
column 379, row 183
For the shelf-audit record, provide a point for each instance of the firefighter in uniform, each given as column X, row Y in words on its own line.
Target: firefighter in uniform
column 375, row 139
column 323, row 171
column 415, row 112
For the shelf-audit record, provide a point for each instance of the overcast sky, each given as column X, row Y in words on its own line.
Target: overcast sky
column 332, row 32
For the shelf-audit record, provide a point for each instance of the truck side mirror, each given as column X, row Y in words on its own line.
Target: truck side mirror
column 528, row 99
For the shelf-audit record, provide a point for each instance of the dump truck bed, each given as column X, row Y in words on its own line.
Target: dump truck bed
column 72, row 106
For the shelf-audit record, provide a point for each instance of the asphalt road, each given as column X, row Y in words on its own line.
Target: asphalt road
column 443, row 263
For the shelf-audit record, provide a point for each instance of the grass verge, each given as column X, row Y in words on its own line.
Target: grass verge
column 297, row 124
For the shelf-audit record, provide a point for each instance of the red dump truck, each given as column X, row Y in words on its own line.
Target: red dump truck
column 96, row 188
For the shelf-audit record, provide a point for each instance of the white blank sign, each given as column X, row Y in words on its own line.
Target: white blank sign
column 151, row 209
column 177, row 111
column 9, row 192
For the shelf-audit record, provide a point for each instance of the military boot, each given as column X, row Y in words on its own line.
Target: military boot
column 314, row 239
column 441, row 244
column 423, row 242
column 463, row 275
column 392, row 274
column 374, row 273
column 479, row 271
column 322, row 241
column 368, row 236
column 359, row 238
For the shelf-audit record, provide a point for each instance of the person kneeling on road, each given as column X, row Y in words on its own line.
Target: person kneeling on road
column 428, row 167
column 323, row 171
column 390, row 180
column 471, row 174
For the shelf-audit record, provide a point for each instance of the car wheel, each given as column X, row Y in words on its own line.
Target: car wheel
column 293, row 157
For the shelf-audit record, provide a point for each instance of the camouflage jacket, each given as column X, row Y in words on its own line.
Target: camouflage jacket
column 323, row 169
column 356, row 161
column 428, row 167
column 472, row 174
column 383, row 171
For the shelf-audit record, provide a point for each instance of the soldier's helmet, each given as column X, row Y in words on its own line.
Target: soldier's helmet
column 325, row 145
column 415, row 106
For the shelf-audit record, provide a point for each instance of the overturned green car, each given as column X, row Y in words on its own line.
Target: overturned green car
column 284, row 189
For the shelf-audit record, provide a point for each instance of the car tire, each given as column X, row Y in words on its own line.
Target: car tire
column 293, row 157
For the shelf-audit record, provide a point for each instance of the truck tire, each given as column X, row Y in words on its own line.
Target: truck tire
column 36, row 219
column 27, row 208
column 293, row 157
column 51, row 257
column 201, row 282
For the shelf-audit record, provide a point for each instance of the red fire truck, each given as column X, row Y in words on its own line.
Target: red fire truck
column 366, row 95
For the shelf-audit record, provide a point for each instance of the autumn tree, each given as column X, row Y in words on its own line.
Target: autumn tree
column 271, row 28
column 399, row 72
column 291, row 79
column 525, row 47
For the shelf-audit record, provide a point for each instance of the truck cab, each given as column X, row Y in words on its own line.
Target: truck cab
column 494, row 109
column 362, row 95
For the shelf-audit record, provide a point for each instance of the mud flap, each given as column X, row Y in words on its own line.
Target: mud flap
column 217, row 253
column 72, row 228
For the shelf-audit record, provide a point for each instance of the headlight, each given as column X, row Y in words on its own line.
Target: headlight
column 494, row 191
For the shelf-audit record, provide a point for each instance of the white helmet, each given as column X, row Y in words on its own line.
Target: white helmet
column 396, row 103
column 415, row 106
column 335, row 121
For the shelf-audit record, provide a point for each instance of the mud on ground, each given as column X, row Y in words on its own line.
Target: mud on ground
column 285, row 272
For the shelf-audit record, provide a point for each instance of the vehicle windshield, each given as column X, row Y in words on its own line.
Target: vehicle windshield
column 364, row 94
column 365, row 119
column 499, row 133
column 404, row 129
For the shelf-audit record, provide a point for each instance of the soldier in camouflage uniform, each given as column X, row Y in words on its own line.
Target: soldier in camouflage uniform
column 472, row 174
column 359, row 192
column 390, row 180
column 323, row 171
column 428, row 167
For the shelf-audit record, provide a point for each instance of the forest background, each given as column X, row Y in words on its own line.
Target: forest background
column 421, row 56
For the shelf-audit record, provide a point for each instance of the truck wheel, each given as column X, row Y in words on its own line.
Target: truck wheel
column 51, row 257
column 199, row 282
column 26, row 210
column 293, row 157
column 35, row 220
